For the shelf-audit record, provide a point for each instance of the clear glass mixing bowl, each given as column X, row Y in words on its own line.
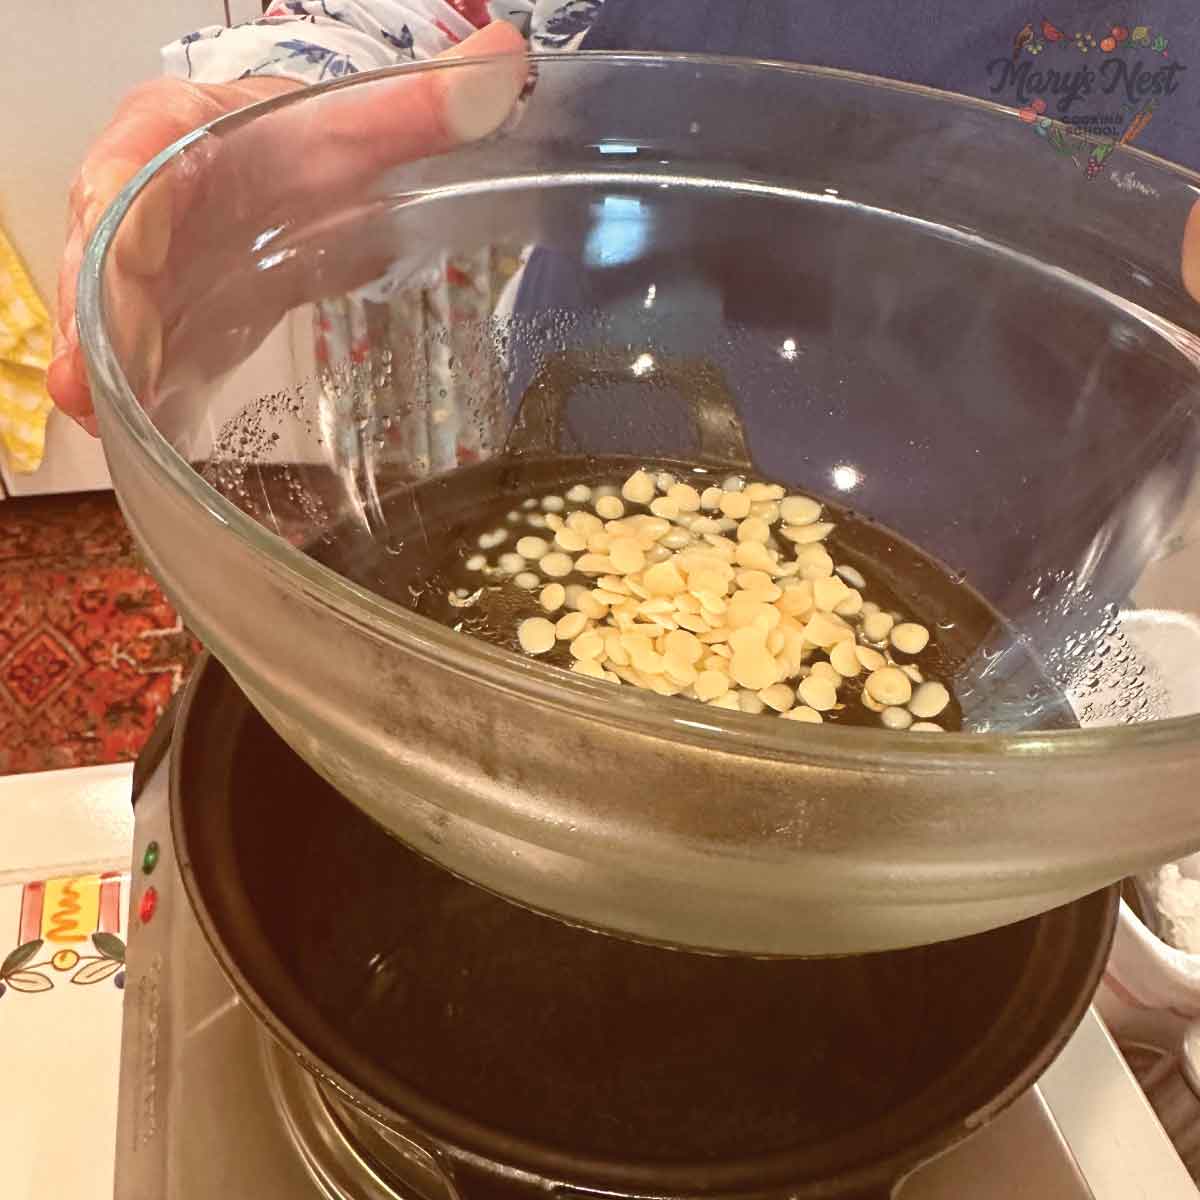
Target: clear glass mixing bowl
column 870, row 291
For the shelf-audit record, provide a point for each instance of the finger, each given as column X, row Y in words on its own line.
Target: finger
column 68, row 272
column 66, row 382
column 1191, row 253
column 307, row 155
column 147, row 121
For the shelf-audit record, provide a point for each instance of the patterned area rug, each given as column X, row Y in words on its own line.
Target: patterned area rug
column 90, row 651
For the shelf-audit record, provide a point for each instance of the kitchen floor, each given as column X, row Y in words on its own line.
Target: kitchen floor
column 90, row 651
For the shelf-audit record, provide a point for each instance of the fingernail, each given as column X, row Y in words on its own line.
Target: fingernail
column 144, row 237
column 477, row 101
column 90, row 424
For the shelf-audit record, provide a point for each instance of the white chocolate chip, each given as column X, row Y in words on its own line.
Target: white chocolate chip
column 754, row 668
column 754, row 555
column 638, row 488
column 588, row 644
column 802, row 712
column 685, row 496
column 610, row 508
column 552, row 597
column 804, row 535
column 735, row 505
column 829, row 593
column 910, row 638
column 928, row 700
column 799, row 510
column 585, row 523
column 826, row 670
column 627, row 556
column 711, row 684
column 556, row 565
column 845, row 660
column 889, row 686
column 817, row 693
column 663, row 579
column 752, row 529
column 871, row 660
column 592, row 669
column 570, row 540
column 850, row 604
column 536, row 635
column 766, row 510
column 592, row 606
column 877, row 626
column 896, row 718
column 570, row 627
column 778, row 696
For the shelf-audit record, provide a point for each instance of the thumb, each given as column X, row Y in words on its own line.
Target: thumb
column 477, row 103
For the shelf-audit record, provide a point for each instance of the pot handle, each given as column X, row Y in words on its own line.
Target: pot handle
column 1173, row 1088
column 541, row 426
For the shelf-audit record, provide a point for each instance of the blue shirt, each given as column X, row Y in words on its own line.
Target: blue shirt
column 993, row 49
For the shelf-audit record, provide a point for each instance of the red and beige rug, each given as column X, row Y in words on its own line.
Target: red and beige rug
column 90, row 651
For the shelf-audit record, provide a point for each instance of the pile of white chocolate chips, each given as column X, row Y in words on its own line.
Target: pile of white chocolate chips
column 727, row 596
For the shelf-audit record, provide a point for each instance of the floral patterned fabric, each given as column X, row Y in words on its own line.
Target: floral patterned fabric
column 316, row 40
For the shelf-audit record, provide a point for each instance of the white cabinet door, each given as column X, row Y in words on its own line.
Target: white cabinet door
column 66, row 64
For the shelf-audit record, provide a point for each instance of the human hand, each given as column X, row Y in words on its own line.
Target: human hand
column 289, row 159
column 1191, row 253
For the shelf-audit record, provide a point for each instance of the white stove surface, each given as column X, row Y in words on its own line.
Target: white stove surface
column 200, row 1125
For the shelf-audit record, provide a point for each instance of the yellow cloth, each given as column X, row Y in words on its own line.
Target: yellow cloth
column 24, row 356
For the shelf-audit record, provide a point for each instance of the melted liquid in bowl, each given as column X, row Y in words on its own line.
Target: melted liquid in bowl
column 434, row 531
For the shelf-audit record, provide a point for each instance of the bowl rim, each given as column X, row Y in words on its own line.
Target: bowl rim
column 669, row 717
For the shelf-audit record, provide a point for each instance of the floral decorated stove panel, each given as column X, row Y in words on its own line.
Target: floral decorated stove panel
column 60, row 1034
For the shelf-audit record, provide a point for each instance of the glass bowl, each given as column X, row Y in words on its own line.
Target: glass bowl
column 881, row 294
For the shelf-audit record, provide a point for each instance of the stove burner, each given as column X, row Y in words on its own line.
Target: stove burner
column 350, row 1153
